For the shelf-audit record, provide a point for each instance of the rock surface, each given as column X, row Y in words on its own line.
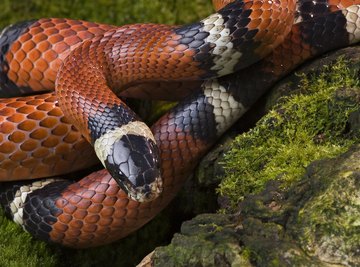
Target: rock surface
column 312, row 222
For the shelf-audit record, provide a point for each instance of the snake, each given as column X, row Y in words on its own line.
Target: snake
column 222, row 64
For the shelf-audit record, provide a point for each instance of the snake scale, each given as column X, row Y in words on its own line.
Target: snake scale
column 223, row 64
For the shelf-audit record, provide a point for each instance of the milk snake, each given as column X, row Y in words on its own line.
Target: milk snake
column 268, row 38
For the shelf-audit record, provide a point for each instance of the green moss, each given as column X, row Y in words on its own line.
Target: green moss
column 18, row 248
column 304, row 127
column 327, row 223
column 206, row 240
column 116, row 12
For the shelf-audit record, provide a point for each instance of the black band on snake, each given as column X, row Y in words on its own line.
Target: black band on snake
column 272, row 37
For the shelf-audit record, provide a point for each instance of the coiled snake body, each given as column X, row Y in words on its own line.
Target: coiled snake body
column 81, row 59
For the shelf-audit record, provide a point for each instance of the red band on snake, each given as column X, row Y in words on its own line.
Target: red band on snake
column 95, row 210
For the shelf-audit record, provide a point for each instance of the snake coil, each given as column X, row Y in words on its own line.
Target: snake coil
column 232, row 57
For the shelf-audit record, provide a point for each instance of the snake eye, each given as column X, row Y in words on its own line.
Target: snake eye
column 134, row 164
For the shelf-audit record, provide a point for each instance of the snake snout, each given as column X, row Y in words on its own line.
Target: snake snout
column 134, row 164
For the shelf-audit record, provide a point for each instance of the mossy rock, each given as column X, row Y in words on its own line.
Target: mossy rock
column 206, row 240
column 277, row 218
column 314, row 222
column 326, row 222
column 319, row 119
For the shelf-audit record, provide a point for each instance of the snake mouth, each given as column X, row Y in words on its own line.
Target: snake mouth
column 143, row 193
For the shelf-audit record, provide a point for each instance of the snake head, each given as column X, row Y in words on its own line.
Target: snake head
column 132, row 159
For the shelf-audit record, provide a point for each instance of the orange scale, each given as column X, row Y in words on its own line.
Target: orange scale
column 48, row 98
column 71, row 138
column 101, row 188
column 36, row 103
column 254, row 23
column 15, row 47
column 60, row 227
column 84, row 203
column 49, row 122
column 95, row 208
column 50, row 141
column 27, row 125
column 76, row 224
column 119, row 215
column 72, row 235
column 59, row 130
column 38, row 76
column 65, row 218
column 107, row 212
column 7, row 111
column 104, row 222
column 12, row 74
column 61, row 202
column 29, row 145
column 79, row 27
column 50, row 32
column 111, row 191
column 17, row 137
column 34, row 55
column 55, row 112
column 17, row 156
column 27, row 65
column 91, row 219
column 109, row 201
column 72, row 40
column 74, row 199
column 61, row 24
column 51, row 55
column 98, row 198
column 89, row 228
column 19, row 57
column 88, row 194
column 85, row 35
column 42, row 66
column 257, row 14
column 25, row 37
column 33, row 115
column 122, row 200
column 80, row 214
column 40, row 152
column 30, row 162
column 7, row 164
column 48, row 24
column 181, row 47
column 28, row 46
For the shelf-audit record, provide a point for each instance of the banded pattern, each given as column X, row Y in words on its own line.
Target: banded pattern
column 146, row 52
column 96, row 211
